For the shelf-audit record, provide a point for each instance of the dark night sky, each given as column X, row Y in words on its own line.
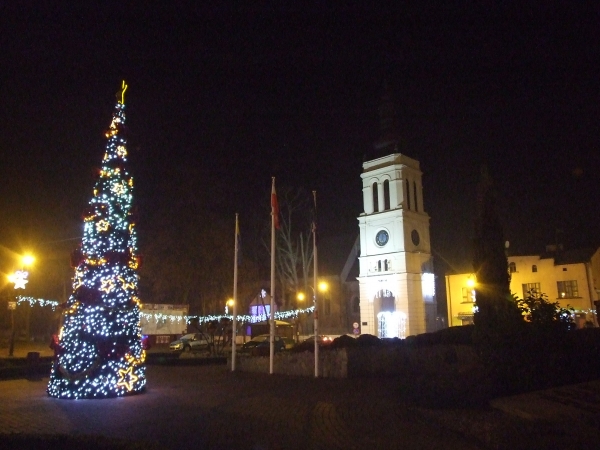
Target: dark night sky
column 222, row 98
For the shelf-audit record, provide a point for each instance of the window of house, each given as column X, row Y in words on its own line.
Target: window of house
column 163, row 339
column 375, row 198
column 468, row 295
column 512, row 267
column 386, row 195
column 356, row 305
column 534, row 268
column 567, row 289
column 531, row 289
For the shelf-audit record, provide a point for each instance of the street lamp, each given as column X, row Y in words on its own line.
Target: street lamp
column 323, row 287
column 19, row 279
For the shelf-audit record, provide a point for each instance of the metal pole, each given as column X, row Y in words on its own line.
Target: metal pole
column 235, row 275
column 272, row 312
column 12, row 333
column 316, row 288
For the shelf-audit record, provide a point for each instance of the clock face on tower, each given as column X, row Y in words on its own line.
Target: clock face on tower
column 414, row 236
column 381, row 238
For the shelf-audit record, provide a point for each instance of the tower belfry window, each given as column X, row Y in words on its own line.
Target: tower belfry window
column 386, row 195
column 407, row 194
column 375, row 198
column 415, row 193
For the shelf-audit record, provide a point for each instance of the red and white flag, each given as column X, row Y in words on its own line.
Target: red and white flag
column 274, row 206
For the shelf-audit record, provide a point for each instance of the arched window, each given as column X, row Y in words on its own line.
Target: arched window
column 386, row 265
column 379, row 266
column 375, row 198
column 534, row 268
column 407, row 194
column 415, row 194
column 356, row 305
column 386, row 195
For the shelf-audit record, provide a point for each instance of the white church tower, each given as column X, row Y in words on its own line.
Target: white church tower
column 397, row 297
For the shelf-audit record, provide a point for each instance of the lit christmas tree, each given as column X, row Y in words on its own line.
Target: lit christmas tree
column 100, row 351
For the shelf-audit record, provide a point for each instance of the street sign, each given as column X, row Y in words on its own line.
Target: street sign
column 12, row 305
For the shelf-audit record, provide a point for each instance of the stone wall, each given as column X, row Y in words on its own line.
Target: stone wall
column 365, row 361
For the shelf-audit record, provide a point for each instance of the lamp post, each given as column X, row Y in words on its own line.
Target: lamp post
column 300, row 297
column 229, row 305
column 19, row 279
column 322, row 287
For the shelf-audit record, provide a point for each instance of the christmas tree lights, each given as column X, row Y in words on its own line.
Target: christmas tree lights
column 100, row 351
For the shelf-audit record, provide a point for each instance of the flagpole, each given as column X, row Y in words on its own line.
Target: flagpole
column 272, row 312
column 315, row 285
column 235, row 302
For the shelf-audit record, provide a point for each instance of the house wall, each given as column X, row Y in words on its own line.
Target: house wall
column 547, row 274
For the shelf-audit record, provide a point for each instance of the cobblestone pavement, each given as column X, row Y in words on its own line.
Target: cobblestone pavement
column 209, row 407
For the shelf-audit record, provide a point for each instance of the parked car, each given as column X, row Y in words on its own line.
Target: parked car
column 259, row 343
column 193, row 342
column 321, row 340
column 309, row 344
column 289, row 343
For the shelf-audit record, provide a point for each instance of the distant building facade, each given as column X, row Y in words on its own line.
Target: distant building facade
column 570, row 278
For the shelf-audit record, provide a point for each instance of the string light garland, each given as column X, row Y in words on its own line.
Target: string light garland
column 100, row 350
column 158, row 317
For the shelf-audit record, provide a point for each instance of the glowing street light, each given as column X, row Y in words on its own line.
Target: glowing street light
column 19, row 279
column 27, row 260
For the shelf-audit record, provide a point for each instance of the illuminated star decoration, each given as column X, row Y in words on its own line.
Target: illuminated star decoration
column 107, row 285
column 119, row 189
column 128, row 378
column 102, row 225
column 20, row 279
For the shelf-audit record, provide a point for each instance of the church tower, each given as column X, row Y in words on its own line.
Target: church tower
column 396, row 279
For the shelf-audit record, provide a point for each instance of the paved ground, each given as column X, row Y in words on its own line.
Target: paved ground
column 209, row 407
column 201, row 407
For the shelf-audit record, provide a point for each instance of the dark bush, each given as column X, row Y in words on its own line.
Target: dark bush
column 367, row 340
column 343, row 341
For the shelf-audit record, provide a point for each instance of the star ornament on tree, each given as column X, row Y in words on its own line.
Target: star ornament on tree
column 127, row 378
column 20, row 279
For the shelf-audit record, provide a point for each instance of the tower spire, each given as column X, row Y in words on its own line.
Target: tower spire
column 388, row 140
